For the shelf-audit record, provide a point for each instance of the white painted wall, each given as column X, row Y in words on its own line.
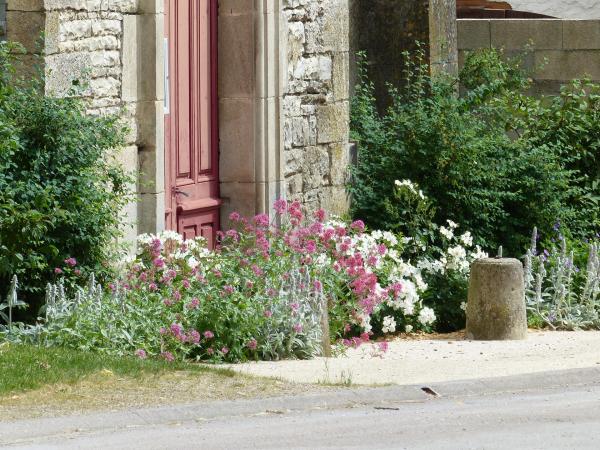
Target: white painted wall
column 563, row 9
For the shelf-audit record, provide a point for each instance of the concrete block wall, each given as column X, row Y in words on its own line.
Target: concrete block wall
column 561, row 49
column 562, row 9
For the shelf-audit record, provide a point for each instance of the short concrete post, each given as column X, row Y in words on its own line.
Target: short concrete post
column 496, row 306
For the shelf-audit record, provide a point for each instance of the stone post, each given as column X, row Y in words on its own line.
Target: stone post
column 496, row 306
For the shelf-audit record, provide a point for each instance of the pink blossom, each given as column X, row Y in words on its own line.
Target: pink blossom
column 168, row 356
column 383, row 346
column 158, row 262
column 261, row 220
column 233, row 234
column 143, row 276
column 382, row 249
column 257, row 270
column 318, row 286
column 249, row 284
column 235, row 216
column 311, row 246
column 297, row 328
column 77, row 272
column 316, row 228
column 208, row 334
column 358, row 225
column 210, row 351
column 252, row 344
column 186, row 284
column 163, row 330
column 228, row 289
column 224, row 350
column 71, row 262
column 365, row 336
column 193, row 304
column 268, row 314
column 167, row 302
column 177, row 295
column 140, row 353
column 152, row 287
column 194, row 337
column 217, row 273
column 58, row 270
column 320, row 215
column 176, row 329
column 280, row 206
column 295, row 306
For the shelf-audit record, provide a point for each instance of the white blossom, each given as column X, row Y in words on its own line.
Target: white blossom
column 426, row 316
column 447, row 232
column 467, row 239
column 452, row 224
column 389, row 325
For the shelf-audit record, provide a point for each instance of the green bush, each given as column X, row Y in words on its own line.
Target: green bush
column 494, row 159
column 61, row 191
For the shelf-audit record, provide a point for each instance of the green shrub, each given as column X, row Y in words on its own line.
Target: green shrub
column 494, row 159
column 61, row 191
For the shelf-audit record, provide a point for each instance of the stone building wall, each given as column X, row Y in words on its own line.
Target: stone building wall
column 89, row 49
column 315, row 103
column 2, row 19
column 282, row 92
column 385, row 29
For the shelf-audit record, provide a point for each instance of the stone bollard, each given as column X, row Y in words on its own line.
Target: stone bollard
column 496, row 306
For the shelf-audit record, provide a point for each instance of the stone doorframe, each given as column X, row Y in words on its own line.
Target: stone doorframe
column 249, row 91
column 283, row 112
column 250, row 88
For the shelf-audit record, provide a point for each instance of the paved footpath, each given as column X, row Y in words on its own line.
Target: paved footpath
column 551, row 410
column 429, row 361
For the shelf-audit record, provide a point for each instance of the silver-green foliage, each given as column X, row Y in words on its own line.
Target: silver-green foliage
column 560, row 294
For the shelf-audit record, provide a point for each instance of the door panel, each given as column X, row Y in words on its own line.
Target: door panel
column 191, row 155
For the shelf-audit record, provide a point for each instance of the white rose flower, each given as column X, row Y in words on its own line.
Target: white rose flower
column 408, row 328
column 451, row 224
column 463, row 306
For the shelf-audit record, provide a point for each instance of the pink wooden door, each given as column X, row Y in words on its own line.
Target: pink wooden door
column 191, row 146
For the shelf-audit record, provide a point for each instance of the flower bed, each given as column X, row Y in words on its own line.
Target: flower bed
column 259, row 295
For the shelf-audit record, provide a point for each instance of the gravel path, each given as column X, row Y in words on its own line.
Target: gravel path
column 430, row 361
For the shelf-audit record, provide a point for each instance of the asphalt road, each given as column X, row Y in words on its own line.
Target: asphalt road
column 559, row 410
